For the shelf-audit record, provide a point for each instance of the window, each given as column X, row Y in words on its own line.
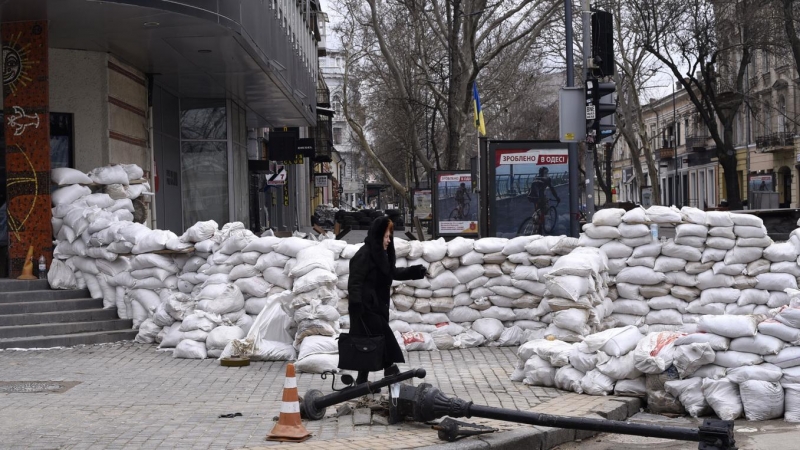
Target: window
column 765, row 60
column 782, row 125
column 337, row 135
column 204, row 161
column 61, row 140
column 767, row 118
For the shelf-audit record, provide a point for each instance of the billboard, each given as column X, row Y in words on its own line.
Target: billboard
column 529, row 188
column 456, row 206
column 761, row 183
column 423, row 206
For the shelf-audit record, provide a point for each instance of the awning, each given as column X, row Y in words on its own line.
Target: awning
column 227, row 49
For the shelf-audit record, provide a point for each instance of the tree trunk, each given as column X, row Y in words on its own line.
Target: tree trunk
column 791, row 31
column 601, row 181
column 454, row 85
column 729, row 163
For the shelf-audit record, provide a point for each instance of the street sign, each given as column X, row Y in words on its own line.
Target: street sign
column 590, row 112
column 279, row 177
column 320, row 181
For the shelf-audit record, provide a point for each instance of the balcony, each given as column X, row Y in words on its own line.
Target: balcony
column 323, row 96
column 665, row 153
column 323, row 135
column 697, row 143
column 323, row 92
column 775, row 142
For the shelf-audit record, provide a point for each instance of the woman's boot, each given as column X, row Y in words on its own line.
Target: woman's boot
column 363, row 377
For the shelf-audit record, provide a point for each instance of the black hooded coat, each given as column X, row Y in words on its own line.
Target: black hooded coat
column 372, row 270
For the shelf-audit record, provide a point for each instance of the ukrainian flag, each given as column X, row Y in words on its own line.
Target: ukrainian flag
column 476, row 110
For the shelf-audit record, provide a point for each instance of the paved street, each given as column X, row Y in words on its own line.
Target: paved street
column 128, row 395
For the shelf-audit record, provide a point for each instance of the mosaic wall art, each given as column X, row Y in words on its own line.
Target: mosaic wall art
column 27, row 139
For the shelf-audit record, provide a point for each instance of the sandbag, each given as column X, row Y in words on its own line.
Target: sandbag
column 764, row 372
column 788, row 357
column 688, row 358
column 690, row 394
column 761, row 400
column 569, row 378
column 760, row 344
column 490, row 328
column 723, row 397
column 731, row 359
column 728, row 326
column 595, row 383
column 654, row 353
column 189, row 349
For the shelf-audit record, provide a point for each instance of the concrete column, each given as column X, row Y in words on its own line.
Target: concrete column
column 27, row 137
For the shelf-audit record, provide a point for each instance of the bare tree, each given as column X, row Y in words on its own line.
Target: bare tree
column 635, row 68
column 790, row 10
column 453, row 40
column 707, row 47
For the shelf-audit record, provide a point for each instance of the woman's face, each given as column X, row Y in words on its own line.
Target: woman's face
column 386, row 236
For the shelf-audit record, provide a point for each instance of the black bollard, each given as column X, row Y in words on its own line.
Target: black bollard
column 433, row 404
column 314, row 403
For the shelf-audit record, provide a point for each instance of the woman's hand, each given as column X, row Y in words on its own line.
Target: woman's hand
column 417, row 272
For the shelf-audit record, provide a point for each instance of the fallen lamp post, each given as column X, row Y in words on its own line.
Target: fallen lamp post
column 314, row 403
column 426, row 403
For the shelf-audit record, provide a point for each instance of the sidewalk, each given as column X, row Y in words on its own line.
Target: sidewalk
column 128, row 395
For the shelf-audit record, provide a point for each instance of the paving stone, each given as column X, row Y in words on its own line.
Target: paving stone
column 132, row 396
column 362, row 416
column 378, row 419
column 344, row 410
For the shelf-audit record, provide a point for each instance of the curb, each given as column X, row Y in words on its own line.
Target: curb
column 544, row 438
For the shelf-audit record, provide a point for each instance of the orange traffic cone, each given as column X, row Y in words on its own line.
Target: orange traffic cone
column 289, row 427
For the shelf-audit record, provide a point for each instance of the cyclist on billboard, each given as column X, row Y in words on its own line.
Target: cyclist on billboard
column 538, row 186
column 462, row 200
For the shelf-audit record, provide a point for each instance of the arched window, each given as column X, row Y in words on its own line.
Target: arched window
column 337, row 104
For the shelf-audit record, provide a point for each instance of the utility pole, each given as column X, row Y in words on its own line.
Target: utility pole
column 591, row 145
column 574, row 230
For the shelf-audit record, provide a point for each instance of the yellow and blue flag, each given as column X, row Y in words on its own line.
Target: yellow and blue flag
column 476, row 110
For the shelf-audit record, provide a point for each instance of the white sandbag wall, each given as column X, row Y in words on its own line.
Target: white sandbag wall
column 617, row 303
column 718, row 263
column 495, row 291
column 729, row 341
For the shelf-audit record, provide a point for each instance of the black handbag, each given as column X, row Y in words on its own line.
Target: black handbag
column 358, row 352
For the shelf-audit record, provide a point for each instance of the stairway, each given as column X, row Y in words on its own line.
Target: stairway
column 33, row 316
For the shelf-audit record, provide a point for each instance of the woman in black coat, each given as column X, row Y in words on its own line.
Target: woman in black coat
column 372, row 270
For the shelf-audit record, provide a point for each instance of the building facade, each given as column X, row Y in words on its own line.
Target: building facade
column 187, row 89
column 349, row 169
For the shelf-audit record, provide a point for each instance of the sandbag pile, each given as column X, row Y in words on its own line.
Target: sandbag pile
column 312, row 301
column 732, row 366
column 490, row 291
column 718, row 263
column 593, row 366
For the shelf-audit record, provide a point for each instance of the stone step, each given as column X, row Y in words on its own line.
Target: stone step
column 50, row 329
column 42, row 295
column 50, row 306
column 68, row 340
column 12, row 285
column 83, row 315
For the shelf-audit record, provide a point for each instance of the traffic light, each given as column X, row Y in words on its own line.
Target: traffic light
column 600, row 104
column 603, row 42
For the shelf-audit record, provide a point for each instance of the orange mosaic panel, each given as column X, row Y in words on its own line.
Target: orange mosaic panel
column 27, row 138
